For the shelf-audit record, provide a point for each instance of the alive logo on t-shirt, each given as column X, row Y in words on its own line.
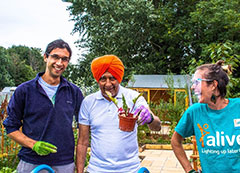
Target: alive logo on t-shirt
column 219, row 139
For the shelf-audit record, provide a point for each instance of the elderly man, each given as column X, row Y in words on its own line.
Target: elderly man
column 112, row 150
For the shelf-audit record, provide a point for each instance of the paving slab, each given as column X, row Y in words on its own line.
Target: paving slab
column 162, row 161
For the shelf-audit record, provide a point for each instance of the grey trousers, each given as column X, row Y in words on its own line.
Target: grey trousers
column 24, row 167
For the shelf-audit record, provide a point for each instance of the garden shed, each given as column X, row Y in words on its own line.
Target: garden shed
column 7, row 92
column 156, row 87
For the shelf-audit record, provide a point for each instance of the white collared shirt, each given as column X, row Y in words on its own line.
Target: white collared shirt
column 112, row 150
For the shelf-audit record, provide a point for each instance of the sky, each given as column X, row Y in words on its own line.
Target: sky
column 35, row 23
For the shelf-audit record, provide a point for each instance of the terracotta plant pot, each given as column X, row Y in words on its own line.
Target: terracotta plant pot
column 127, row 124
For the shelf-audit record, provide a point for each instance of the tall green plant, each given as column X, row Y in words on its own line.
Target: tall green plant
column 168, row 111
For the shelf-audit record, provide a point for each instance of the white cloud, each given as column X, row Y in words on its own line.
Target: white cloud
column 35, row 23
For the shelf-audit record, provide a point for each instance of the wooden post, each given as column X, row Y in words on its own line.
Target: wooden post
column 195, row 155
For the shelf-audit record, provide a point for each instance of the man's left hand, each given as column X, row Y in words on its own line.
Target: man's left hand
column 44, row 148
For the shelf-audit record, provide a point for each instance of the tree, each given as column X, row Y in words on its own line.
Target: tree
column 15, row 65
column 154, row 37
column 107, row 28
column 31, row 56
column 5, row 77
column 222, row 51
column 215, row 36
column 214, row 21
column 19, row 70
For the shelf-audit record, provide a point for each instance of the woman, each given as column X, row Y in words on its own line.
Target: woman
column 215, row 122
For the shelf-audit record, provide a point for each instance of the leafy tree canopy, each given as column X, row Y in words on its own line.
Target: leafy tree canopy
column 19, row 70
column 156, row 37
column 19, row 64
column 31, row 56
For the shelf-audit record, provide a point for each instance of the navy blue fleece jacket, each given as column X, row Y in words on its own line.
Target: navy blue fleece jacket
column 31, row 109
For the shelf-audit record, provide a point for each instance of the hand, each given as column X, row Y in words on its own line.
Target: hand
column 144, row 115
column 44, row 148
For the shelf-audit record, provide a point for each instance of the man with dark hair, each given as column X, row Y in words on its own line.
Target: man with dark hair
column 44, row 107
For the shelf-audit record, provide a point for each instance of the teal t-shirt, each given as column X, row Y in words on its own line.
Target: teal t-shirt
column 217, row 134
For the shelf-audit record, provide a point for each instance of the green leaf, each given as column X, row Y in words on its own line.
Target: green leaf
column 135, row 99
column 113, row 99
column 125, row 106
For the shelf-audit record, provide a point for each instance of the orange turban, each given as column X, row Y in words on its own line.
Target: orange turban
column 110, row 63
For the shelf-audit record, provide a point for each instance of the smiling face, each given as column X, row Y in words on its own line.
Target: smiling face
column 56, row 62
column 108, row 83
column 203, row 88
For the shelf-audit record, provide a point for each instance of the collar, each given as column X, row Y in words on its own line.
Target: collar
column 63, row 81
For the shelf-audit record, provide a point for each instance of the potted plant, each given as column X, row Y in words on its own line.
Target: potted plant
column 127, row 120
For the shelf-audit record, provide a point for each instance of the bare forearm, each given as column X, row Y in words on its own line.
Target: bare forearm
column 180, row 153
column 81, row 157
column 22, row 139
column 156, row 124
column 82, row 145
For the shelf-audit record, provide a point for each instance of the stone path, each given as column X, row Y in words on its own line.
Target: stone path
column 162, row 161
column 160, row 158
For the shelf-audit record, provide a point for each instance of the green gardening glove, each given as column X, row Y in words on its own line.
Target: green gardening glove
column 44, row 148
